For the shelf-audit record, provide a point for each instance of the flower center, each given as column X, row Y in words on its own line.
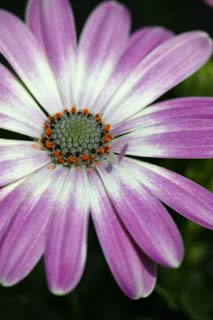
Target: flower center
column 77, row 138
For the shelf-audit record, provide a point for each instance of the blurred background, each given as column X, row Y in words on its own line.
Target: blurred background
column 184, row 293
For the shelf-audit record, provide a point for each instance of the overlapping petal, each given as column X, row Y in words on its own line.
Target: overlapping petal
column 52, row 23
column 18, row 111
column 183, row 195
column 144, row 216
column 28, row 208
column 101, row 44
column 166, row 111
column 166, row 66
column 19, row 159
column 134, row 272
column 139, row 45
column 23, row 52
column 66, row 247
column 181, row 138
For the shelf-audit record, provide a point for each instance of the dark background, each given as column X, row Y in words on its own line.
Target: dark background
column 184, row 293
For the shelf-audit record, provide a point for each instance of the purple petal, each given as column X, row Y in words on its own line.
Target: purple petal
column 66, row 247
column 166, row 66
column 22, row 51
column 16, row 102
column 144, row 217
column 166, row 111
column 134, row 272
column 209, row 2
column 182, row 138
column 139, row 45
column 18, row 111
column 24, row 235
column 188, row 198
column 101, row 44
column 52, row 23
column 19, row 159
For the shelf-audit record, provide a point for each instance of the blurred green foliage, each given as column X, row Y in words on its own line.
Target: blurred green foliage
column 183, row 293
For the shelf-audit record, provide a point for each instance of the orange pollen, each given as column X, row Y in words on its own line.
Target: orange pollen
column 99, row 119
column 73, row 160
column 107, row 138
column 101, row 151
column 48, row 132
column 85, row 157
column 78, row 169
column 61, row 160
column 107, row 128
column 57, row 153
column 73, row 109
column 107, row 148
column 85, row 111
column 66, row 110
column 51, row 118
column 48, row 144
column 58, row 115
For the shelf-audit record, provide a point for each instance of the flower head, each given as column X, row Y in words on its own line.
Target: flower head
column 88, row 110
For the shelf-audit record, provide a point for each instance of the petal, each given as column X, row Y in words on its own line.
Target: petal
column 18, row 111
column 19, row 159
column 166, row 111
column 24, row 238
column 144, row 216
column 22, row 51
column 169, row 64
column 66, row 247
column 134, row 272
column 182, row 138
column 188, row 198
column 101, row 44
column 139, row 45
column 52, row 23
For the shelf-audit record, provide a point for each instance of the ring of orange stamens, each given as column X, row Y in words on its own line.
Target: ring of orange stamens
column 77, row 138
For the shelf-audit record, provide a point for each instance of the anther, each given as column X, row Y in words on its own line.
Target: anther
column 101, row 150
column 85, row 111
column 73, row 160
column 73, row 109
column 48, row 144
column 107, row 128
column 57, row 153
column 58, row 115
column 61, row 160
column 85, row 157
column 48, row 132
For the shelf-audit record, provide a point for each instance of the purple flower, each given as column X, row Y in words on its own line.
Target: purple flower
column 94, row 118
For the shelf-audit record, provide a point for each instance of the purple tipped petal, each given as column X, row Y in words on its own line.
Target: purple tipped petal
column 139, row 45
column 23, row 240
column 133, row 271
column 144, row 216
column 166, row 111
column 17, row 108
column 101, row 44
column 166, row 66
column 182, row 138
column 66, row 247
column 209, row 2
column 52, row 23
column 22, row 51
column 188, row 198
column 19, row 159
